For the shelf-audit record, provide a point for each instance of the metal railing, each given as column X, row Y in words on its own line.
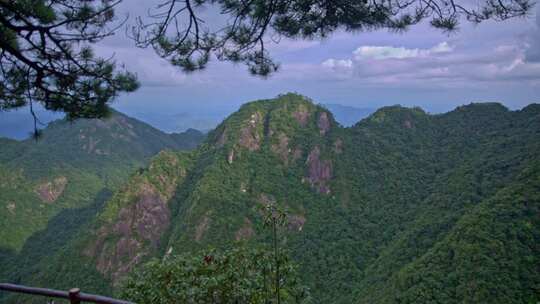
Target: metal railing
column 74, row 295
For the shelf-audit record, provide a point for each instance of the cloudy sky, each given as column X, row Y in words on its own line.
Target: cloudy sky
column 493, row 61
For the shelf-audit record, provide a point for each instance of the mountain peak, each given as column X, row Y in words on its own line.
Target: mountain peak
column 483, row 106
column 287, row 100
column 396, row 115
column 265, row 120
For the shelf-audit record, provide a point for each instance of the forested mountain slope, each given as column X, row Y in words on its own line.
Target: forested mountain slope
column 402, row 207
column 71, row 170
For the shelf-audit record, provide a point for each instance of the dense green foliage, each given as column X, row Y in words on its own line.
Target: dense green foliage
column 401, row 207
column 492, row 253
column 239, row 275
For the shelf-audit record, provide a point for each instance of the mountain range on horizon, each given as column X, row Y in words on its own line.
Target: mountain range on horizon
column 19, row 124
column 398, row 207
column 348, row 116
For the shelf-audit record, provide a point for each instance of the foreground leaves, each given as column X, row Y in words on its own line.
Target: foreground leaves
column 238, row 275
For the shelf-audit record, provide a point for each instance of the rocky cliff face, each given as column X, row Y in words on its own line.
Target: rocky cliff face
column 49, row 191
column 319, row 171
column 137, row 230
column 132, row 226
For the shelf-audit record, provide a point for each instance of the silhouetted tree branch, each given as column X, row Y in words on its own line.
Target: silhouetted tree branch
column 45, row 56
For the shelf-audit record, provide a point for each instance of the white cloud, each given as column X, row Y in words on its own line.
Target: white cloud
column 390, row 52
column 442, row 47
column 441, row 65
column 338, row 63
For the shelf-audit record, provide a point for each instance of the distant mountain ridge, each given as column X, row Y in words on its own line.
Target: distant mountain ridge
column 402, row 207
column 18, row 124
column 348, row 116
column 179, row 122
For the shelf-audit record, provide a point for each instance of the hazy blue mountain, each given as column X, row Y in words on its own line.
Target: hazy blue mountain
column 182, row 121
column 348, row 116
column 19, row 124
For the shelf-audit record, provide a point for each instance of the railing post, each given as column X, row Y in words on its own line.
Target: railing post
column 74, row 296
